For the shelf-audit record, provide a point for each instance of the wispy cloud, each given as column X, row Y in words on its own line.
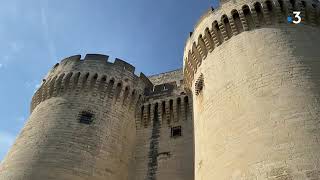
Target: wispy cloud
column 13, row 48
column 16, row 46
column 21, row 119
column 45, row 25
column 37, row 86
column 34, row 85
column 6, row 140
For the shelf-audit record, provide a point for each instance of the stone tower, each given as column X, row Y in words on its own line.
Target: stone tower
column 255, row 80
column 92, row 119
column 164, row 146
column 244, row 106
column 82, row 123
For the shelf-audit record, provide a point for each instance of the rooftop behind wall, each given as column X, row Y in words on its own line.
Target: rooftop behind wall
column 167, row 77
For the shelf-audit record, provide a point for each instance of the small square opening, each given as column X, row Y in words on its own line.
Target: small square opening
column 176, row 131
column 86, row 117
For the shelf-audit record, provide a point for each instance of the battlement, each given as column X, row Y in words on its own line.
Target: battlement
column 170, row 76
column 170, row 110
column 93, row 60
column 124, row 65
column 94, row 76
column 208, row 13
column 218, row 26
column 165, row 84
column 100, row 57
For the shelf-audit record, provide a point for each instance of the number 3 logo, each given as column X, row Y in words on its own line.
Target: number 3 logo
column 297, row 16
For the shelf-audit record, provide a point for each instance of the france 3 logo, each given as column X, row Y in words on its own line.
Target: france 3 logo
column 297, row 18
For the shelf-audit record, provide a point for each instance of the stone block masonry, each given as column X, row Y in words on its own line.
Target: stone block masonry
column 244, row 106
column 255, row 84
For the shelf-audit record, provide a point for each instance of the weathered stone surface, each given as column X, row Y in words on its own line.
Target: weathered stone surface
column 256, row 113
column 244, row 106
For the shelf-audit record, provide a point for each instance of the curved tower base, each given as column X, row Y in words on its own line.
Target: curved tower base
column 256, row 91
column 82, row 124
column 258, row 114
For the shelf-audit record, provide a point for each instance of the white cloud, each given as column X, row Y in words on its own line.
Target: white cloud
column 33, row 84
column 16, row 46
column 21, row 119
column 6, row 141
column 1, row 65
column 6, row 57
column 37, row 86
column 45, row 25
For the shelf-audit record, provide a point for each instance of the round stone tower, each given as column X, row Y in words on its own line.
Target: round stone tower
column 255, row 79
column 82, row 123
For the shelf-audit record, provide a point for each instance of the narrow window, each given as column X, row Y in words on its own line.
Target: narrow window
column 203, row 47
column 163, row 110
column 93, row 80
column 56, row 65
column 199, row 85
column 148, row 116
column 305, row 9
column 248, row 16
column 67, row 81
column 178, row 108
column 186, row 107
column 102, row 83
column 51, row 88
column 217, row 31
column 281, row 6
column 76, row 80
column 142, row 111
column 209, row 38
column 164, row 88
column 196, row 54
column 86, row 117
column 133, row 97
column 293, row 4
column 171, row 109
column 226, row 24
column 84, row 80
column 117, row 92
column 270, row 11
column 237, row 21
column 125, row 95
column 110, row 86
column 258, row 8
column 176, row 132
column 58, row 84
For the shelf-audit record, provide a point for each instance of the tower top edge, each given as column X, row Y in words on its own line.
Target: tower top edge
column 101, row 59
column 95, row 62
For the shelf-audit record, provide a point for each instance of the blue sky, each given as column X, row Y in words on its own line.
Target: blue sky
column 36, row 34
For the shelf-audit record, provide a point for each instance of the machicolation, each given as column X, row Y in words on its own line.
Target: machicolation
column 244, row 105
column 73, row 75
column 218, row 26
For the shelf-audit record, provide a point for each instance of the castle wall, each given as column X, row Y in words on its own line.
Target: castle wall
column 54, row 144
column 255, row 83
column 256, row 116
column 158, row 154
column 246, row 107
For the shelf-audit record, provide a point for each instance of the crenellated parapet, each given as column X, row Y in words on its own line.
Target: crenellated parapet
column 218, row 26
column 93, row 76
column 170, row 110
